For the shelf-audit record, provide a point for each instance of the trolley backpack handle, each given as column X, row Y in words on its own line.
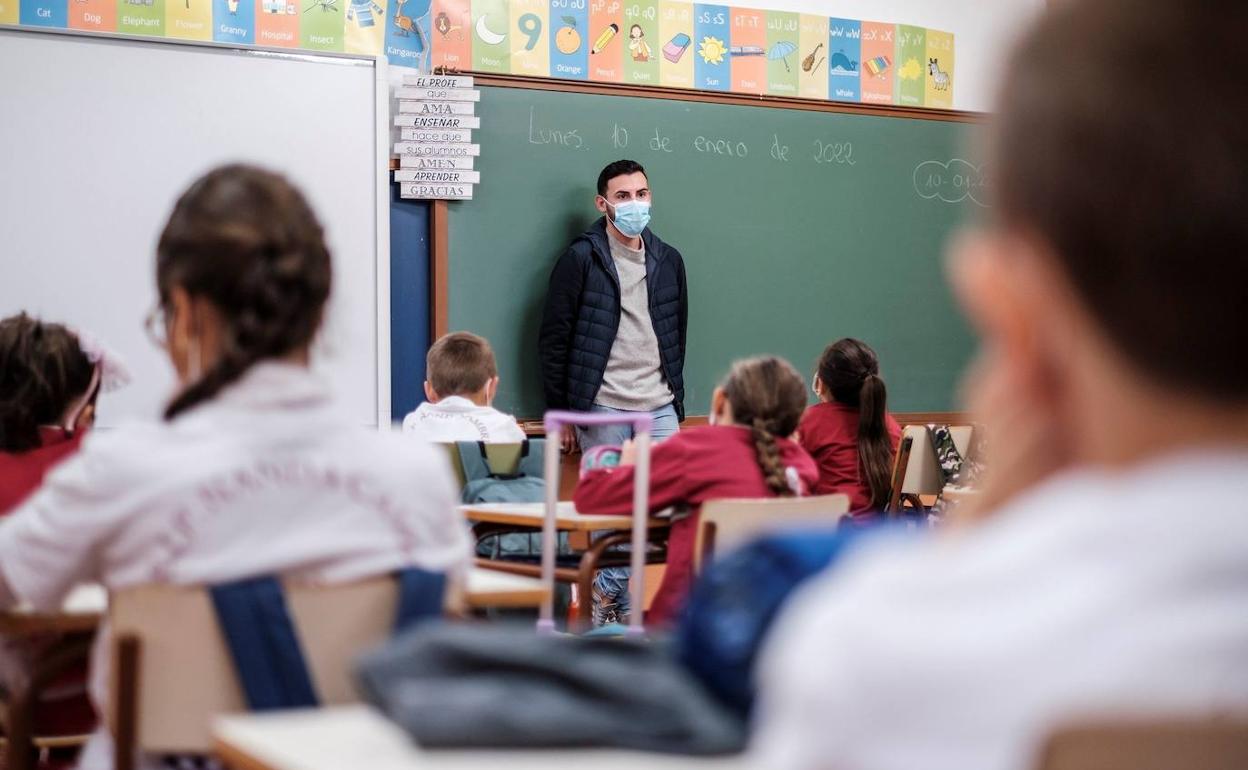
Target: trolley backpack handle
column 643, row 425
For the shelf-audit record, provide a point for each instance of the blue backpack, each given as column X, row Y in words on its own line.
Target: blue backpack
column 739, row 595
column 525, row 483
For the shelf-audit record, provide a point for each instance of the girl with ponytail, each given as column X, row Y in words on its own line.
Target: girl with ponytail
column 254, row 469
column 745, row 452
column 849, row 432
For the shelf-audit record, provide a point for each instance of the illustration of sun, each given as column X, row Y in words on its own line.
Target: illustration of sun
column 712, row 50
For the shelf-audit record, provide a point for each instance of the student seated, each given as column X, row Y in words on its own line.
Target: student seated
column 1108, row 577
column 849, row 433
column 254, row 470
column 49, row 383
column 462, row 381
column 744, row 452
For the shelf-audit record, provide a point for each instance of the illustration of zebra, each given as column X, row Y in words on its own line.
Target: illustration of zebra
column 940, row 78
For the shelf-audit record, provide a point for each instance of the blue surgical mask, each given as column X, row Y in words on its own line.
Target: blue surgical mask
column 631, row 217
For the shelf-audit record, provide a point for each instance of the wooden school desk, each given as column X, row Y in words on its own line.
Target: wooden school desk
column 493, row 589
column 85, row 606
column 491, row 518
column 355, row 737
column 531, row 515
column 81, row 612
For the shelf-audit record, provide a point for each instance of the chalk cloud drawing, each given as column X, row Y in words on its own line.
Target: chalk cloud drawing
column 951, row 181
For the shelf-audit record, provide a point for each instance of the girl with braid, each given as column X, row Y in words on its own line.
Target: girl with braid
column 253, row 471
column 745, row 452
column 849, row 432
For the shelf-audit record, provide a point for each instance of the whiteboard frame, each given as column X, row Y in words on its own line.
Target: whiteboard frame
column 381, row 166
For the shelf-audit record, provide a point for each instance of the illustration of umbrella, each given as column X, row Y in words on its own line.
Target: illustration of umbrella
column 781, row 51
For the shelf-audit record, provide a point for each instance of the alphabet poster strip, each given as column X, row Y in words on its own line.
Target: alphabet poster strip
column 666, row 43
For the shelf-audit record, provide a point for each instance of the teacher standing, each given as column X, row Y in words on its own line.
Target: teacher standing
column 613, row 332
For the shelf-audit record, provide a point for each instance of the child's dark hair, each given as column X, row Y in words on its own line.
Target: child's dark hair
column 617, row 168
column 1137, row 185
column 768, row 397
column 248, row 242
column 850, row 372
column 43, row 370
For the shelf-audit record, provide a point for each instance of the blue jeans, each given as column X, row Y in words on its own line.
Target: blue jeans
column 665, row 424
column 611, row 599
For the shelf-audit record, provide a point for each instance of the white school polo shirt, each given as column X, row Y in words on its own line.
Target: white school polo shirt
column 1093, row 594
column 456, row 418
column 269, row 477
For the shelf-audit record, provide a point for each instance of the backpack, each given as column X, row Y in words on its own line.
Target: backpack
column 483, row 485
column 948, row 458
column 525, row 484
column 955, row 469
column 735, row 601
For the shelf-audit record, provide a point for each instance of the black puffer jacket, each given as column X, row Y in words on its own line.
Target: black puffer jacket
column 583, row 314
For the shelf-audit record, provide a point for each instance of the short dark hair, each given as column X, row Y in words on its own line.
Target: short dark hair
column 42, row 370
column 618, row 168
column 1133, row 173
column 459, row 364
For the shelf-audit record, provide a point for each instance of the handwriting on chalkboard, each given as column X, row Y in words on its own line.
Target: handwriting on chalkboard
column 570, row 138
column 840, row 153
column 712, row 145
column 720, row 146
column 951, row 181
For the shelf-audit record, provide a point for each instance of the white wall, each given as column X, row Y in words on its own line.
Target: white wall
column 102, row 158
column 983, row 31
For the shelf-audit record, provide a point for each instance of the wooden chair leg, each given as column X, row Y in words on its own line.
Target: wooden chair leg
column 914, row 501
column 709, row 530
column 126, row 698
column 899, row 475
column 20, row 749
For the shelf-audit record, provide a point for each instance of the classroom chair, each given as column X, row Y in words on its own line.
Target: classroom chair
column 173, row 674
column 1212, row 744
column 900, row 463
column 916, row 472
column 20, row 749
column 725, row 524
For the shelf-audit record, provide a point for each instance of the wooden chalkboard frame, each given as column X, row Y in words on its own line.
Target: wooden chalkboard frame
column 439, row 238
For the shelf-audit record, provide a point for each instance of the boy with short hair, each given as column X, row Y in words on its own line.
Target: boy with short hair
column 461, row 385
column 1109, row 576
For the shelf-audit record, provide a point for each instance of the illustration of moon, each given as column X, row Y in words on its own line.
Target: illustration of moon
column 487, row 35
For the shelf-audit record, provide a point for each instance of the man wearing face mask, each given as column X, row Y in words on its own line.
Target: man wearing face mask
column 613, row 330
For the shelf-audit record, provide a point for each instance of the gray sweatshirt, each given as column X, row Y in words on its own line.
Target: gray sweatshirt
column 633, row 380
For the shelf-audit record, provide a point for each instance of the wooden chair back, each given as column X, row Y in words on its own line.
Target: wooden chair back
column 725, row 524
column 172, row 670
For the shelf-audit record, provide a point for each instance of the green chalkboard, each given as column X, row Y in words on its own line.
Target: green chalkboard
column 797, row 227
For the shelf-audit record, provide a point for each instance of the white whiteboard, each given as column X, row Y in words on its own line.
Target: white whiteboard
column 100, row 135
